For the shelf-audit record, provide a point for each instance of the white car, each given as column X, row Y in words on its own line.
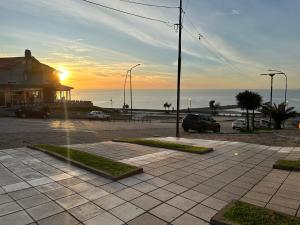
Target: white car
column 239, row 124
column 97, row 115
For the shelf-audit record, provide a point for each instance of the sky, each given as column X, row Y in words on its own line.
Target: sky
column 96, row 46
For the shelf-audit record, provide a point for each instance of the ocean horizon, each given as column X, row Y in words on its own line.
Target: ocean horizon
column 154, row 99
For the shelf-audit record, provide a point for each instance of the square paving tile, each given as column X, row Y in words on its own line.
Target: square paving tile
column 175, row 188
column 162, row 194
column 40, row 181
column 71, row 201
column 86, row 211
column 17, row 218
column 147, row 219
column 15, row 187
column 158, row 182
column 144, row 187
column 63, row 218
column 194, row 195
column 49, row 187
column 166, row 212
column 105, row 219
column 8, row 208
column 109, row 201
column 23, row 193
column 81, row 187
column 128, row 194
column 33, row 201
column 181, row 203
column 94, row 194
column 146, row 202
column 59, row 193
column 5, row 199
column 127, row 211
column 70, row 182
column 130, row 181
column 113, row 187
column 44, row 210
column 188, row 219
column 203, row 212
column 214, row 203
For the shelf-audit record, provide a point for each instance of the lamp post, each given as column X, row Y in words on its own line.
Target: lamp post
column 130, row 72
column 125, row 89
column 286, row 83
column 271, row 94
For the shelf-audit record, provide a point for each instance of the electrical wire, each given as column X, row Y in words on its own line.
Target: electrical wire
column 150, row 5
column 212, row 48
column 128, row 13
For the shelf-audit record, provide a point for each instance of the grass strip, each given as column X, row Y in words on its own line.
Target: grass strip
column 107, row 167
column 247, row 214
column 287, row 165
column 167, row 145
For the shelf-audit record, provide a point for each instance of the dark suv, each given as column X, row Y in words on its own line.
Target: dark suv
column 200, row 123
column 33, row 112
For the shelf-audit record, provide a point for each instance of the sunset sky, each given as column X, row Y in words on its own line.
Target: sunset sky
column 243, row 38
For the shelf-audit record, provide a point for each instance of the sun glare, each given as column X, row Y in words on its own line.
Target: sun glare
column 63, row 75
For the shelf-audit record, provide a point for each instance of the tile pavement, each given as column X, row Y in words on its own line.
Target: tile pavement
column 176, row 188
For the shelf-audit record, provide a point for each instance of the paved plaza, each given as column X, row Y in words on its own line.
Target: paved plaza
column 176, row 188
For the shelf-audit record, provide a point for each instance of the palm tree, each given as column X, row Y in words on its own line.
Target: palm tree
column 165, row 106
column 249, row 100
column 256, row 101
column 280, row 113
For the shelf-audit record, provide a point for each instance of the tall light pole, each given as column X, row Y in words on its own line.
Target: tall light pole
column 130, row 71
column 125, row 88
column 179, row 70
column 271, row 94
column 286, row 84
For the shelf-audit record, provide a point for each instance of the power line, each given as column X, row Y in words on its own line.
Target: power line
column 128, row 13
column 214, row 50
column 151, row 5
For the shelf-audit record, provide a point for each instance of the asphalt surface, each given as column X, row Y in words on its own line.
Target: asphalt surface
column 15, row 132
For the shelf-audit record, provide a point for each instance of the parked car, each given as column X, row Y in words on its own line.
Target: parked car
column 241, row 124
column 33, row 112
column 98, row 115
column 200, row 123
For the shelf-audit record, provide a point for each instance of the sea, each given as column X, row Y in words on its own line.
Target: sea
column 154, row 99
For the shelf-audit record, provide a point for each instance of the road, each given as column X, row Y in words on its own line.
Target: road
column 16, row 132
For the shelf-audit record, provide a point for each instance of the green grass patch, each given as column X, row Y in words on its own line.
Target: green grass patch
column 106, row 166
column 248, row 214
column 166, row 144
column 287, row 165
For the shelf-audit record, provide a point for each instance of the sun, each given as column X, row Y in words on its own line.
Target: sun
column 63, row 75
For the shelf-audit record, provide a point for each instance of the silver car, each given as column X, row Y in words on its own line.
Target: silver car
column 98, row 115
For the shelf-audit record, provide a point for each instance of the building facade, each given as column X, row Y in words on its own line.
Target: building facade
column 25, row 80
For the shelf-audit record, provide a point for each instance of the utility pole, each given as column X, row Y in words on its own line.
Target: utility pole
column 179, row 71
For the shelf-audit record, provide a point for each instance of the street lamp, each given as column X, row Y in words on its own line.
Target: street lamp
column 131, row 88
column 286, row 84
column 271, row 95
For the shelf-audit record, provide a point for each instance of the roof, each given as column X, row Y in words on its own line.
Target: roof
column 10, row 62
column 57, row 87
column 7, row 63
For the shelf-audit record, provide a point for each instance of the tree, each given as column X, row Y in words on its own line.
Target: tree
column 256, row 101
column 214, row 107
column 167, row 106
column 125, row 107
column 249, row 100
column 280, row 113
